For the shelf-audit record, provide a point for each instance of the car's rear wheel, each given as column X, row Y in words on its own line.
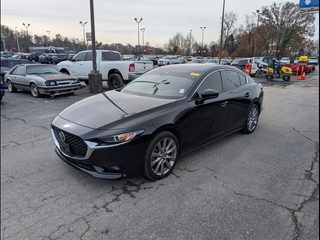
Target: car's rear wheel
column 252, row 120
column 115, row 81
column 34, row 90
column 11, row 87
column 161, row 156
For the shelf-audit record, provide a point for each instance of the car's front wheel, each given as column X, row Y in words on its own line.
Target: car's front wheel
column 34, row 90
column 161, row 156
column 11, row 87
column 252, row 120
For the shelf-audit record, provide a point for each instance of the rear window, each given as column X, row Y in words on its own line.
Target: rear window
column 111, row 56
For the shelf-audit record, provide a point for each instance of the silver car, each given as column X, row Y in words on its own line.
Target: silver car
column 40, row 80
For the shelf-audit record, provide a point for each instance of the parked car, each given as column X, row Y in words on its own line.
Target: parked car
column 55, row 59
column 242, row 63
column 181, row 60
column 7, row 54
column 235, row 62
column 2, row 90
column 213, row 60
column 197, row 60
column 167, row 60
column 40, row 79
column 145, row 126
column 285, row 60
column 8, row 63
column 34, row 57
column 46, row 58
column 313, row 60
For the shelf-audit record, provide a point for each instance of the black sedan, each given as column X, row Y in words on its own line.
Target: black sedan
column 40, row 80
column 145, row 126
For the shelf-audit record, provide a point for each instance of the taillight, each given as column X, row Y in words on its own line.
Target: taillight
column 132, row 67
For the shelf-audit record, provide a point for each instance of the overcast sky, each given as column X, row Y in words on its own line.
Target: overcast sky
column 114, row 20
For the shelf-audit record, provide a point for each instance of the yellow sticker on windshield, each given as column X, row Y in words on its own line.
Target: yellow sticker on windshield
column 195, row 74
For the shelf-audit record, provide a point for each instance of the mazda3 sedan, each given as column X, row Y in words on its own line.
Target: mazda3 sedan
column 145, row 126
column 40, row 80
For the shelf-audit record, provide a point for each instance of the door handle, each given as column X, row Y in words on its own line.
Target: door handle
column 247, row 95
column 224, row 104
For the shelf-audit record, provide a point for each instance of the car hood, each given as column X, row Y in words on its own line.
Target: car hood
column 113, row 109
column 54, row 76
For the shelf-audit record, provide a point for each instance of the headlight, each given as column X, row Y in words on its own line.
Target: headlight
column 121, row 138
column 50, row 83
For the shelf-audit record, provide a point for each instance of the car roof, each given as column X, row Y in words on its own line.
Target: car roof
column 199, row 67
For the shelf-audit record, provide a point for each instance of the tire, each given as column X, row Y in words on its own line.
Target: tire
column 161, row 156
column 34, row 90
column 11, row 87
column 115, row 81
column 260, row 73
column 269, row 77
column 33, row 60
column 252, row 120
column 286, row 78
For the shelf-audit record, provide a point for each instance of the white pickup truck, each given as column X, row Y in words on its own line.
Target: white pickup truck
column 109, row 63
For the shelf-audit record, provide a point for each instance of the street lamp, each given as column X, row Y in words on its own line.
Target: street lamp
column 257, row 14
column 221, row 32
column 26, row 26
column 17, row 37
column 138, row 33
column 190, row 43
column 202, row 28
column 48, row 31
column 84, row 36
column 142, row 30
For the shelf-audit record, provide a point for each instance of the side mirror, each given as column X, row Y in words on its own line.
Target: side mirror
column 207, row 94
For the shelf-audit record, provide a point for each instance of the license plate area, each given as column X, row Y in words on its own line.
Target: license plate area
column 65, row 148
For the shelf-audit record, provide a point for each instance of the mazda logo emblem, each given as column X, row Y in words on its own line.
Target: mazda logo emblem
column 61, row 136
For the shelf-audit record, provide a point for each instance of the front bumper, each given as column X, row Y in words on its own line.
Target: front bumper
column 53, row 91
column 101, row 161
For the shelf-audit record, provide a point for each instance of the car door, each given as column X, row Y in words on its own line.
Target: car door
column 239, row 96
column 207, row 120
column 18, row 77
column 76, row 66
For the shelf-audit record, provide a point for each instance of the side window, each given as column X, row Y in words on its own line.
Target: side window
column 89, row 56
column 11, row 64
column 230, row 80
column 20, row 70
column 80, row 56
column 4, row 63
column 243, row 79
column 212, row 81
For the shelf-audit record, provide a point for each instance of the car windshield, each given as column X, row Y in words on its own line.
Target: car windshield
column 163, row 83
column 41, row 69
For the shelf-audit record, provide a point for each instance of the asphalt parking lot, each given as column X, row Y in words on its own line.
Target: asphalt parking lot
column 260, row 186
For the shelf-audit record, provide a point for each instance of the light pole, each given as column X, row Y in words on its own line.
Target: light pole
column 84, row 36
column 48, row 31
column 202, row 28
column 190, row 43
column 257, row 14
column 138, row 34
column 221, row 32
column 26, row 26
column 17, row 39
column 142, row 30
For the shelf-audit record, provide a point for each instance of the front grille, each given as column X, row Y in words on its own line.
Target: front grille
column 77, row 145
column 62, row 83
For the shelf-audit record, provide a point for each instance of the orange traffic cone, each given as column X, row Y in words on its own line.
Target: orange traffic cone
column 303, row 76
